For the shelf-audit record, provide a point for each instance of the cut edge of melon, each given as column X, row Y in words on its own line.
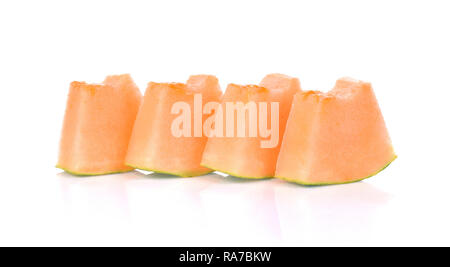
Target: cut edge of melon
column 237, row 175
column 81, row 174
column 179, row 174
column 292, row 180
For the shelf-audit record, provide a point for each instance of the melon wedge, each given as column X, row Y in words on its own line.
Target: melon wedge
column 335, row 137
column 243, row 156
column 97, row 126
column 153, row 147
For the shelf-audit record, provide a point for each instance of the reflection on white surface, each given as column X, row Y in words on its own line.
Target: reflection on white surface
column 320, row 214
column 98, row 198
column 219, row 209
column 241, row 210
column 168, row 207
column 154, row 209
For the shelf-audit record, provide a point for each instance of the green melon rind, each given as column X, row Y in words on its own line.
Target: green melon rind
column 187, row 174
column 80, row 174
column 347, row 182
column 237, row 175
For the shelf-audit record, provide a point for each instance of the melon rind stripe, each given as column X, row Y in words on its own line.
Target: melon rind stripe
column 215, row 169
column 337, row 183
column 236, row 175
column 188, row 174
column 80, row 174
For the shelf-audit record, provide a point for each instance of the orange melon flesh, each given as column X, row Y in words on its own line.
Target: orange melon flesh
column 97, row 126
column 335, row 137
column 153, row 146
column 243, row 156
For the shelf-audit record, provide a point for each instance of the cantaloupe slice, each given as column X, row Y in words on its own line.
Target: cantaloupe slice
column 153, row 147
column 335, row 137
column 97, row 126
column 243, row 156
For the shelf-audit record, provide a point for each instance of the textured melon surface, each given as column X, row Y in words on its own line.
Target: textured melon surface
column 97, row 126
column 335, row 137
column 243, row 156
column 152, row 145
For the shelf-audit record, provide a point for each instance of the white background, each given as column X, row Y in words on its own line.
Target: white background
column 402, row 47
